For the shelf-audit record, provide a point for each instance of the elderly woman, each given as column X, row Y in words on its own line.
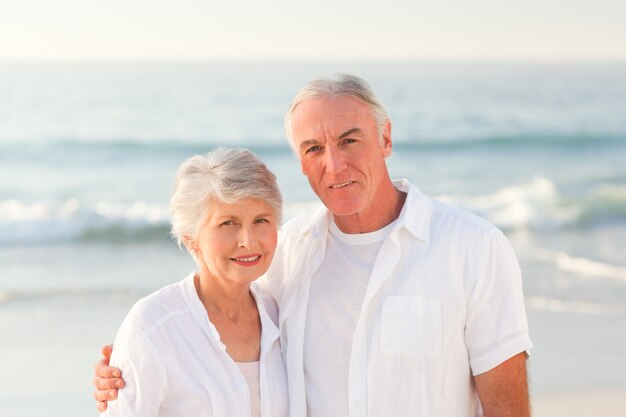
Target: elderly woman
column 208, row 345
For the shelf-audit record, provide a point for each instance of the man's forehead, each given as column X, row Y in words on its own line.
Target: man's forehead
column 336, row 113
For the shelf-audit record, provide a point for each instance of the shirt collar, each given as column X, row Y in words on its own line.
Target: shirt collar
column 416, row 212
column 317, row 223
column 269, row 330
column 414, row 216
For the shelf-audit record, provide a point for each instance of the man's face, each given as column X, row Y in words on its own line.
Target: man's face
column 341, row 153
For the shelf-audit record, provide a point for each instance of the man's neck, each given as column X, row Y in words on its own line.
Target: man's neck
column 387, row 209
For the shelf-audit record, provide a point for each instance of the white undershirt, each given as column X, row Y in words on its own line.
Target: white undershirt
column 252, row 372
column 337, row 292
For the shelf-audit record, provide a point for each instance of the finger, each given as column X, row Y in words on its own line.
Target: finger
column 105, row 395
column 106, row 352
column 107, row 383
column 101, row 406
column 103, row 370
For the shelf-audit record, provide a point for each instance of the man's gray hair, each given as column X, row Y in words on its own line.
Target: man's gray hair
column 339, row 85
column 225, row 175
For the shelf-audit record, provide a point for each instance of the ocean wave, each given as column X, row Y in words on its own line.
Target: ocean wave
column 538, row 205
column 605, row 203
column 571, row 141
column 159, row 146
column 403, row 142
column 71, row 220
column 27, row 223
column 583, row 266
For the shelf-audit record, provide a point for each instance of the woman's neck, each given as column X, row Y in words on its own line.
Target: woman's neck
column 228, row 301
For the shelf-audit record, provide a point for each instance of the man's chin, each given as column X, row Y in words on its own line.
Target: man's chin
column 343, row 210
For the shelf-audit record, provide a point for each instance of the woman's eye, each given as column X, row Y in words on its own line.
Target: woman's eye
column 227, row 223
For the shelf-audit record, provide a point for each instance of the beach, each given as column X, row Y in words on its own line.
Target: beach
column 609, row 402
column 88, row 154
column 47, row 359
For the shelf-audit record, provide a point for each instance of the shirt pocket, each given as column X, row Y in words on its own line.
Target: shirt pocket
column 411, row 326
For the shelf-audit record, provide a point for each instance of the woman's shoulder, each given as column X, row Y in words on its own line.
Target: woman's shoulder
column 156, row 308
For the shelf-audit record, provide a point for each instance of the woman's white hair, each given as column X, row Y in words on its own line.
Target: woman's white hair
column 225, row 175
column 339, row 85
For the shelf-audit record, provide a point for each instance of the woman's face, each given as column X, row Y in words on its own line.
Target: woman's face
column 237, row 242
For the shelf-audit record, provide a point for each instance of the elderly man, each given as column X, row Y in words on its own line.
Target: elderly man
column 391, row 303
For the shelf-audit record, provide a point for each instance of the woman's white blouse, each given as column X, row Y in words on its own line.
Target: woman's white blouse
column 174, row 363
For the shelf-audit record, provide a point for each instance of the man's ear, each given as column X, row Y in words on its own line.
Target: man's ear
column 387, row 143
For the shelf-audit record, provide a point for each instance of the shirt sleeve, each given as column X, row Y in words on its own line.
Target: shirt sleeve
column 279, row 277
column 143, row 371
column 496, row 325
column 272, row 281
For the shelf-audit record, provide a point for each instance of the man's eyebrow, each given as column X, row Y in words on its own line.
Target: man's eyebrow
column 345, row 134
column 307, row 143
column 350, row 132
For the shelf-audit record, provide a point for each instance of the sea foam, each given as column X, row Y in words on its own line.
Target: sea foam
column 538, row 205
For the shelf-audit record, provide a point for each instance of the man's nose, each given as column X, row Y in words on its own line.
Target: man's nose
column 335, row 162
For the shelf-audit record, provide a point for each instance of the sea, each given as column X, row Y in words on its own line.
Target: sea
column 88, row 153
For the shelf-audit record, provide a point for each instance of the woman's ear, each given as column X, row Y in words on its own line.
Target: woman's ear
column 190, row 244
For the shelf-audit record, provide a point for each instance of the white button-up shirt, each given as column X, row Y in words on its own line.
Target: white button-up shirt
column 444, row 302
column 174, row 363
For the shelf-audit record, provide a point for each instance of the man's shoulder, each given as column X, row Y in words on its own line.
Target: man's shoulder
column 298, row 239
column 436, row 217
column 445, row 212
column 296, row 223
column 433, row 213
column 448, row 221
column 304, row 223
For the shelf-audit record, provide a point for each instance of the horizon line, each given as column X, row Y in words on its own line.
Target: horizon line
column 112, row 60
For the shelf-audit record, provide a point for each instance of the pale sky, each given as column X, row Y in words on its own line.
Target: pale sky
column 551, row 30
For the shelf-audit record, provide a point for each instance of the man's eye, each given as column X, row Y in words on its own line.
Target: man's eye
column 348, row 140
column 261, row 221
column 313, row 149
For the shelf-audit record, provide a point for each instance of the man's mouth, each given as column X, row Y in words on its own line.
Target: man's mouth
column 341, row 184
